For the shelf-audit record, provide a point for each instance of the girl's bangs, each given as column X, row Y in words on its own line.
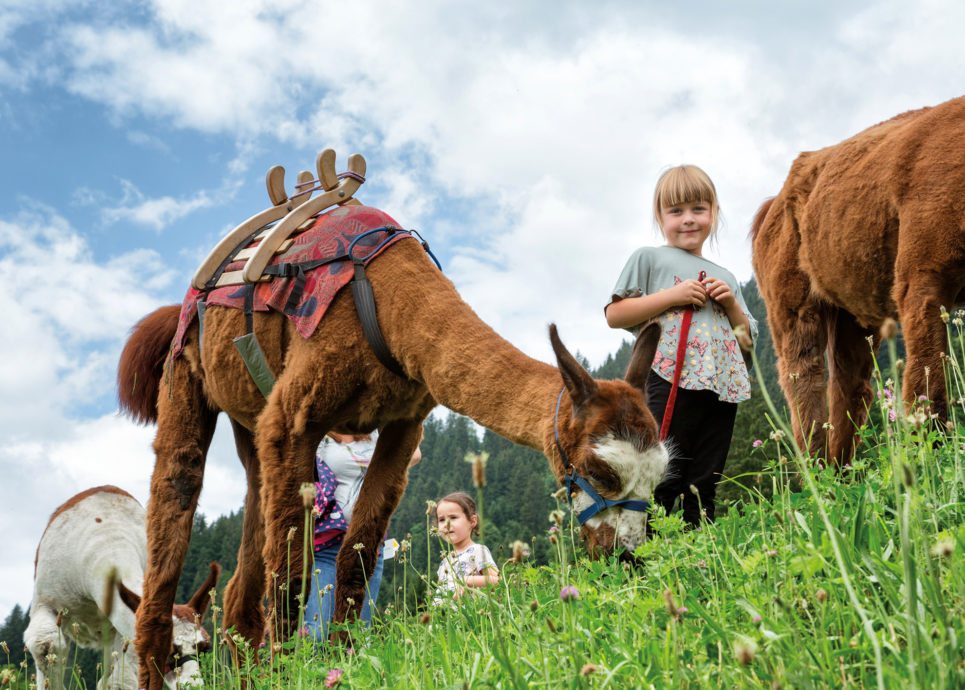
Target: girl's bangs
column 683, row 185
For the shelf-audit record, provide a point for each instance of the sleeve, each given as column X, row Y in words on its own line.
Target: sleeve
column 747, row 312
column 486, row 560
column 634, row 279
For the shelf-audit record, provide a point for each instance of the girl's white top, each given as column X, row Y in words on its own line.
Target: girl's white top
column 713, row 359
column 349, row 461
column 456, row 567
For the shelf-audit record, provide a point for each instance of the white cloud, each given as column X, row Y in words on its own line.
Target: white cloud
column 157, row 213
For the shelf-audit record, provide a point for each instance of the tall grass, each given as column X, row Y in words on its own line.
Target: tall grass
column 853, row 580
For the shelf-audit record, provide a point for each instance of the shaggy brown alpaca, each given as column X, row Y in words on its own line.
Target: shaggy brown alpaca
column 871, row 228
column 332, row 381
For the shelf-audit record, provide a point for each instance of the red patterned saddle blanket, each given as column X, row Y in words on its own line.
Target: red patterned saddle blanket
column 329, row 237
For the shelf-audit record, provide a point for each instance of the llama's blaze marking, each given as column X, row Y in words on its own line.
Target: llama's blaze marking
column 639, row 473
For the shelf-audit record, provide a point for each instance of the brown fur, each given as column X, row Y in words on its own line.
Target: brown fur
column 871, row 228
column 70, row 503
column 332, row 382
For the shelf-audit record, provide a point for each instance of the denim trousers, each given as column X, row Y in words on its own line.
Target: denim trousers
column 321, row 604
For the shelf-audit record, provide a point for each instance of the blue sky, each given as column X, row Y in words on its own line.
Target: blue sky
column 523, row 139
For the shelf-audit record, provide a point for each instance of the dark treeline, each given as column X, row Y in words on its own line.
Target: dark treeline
column 516, row 500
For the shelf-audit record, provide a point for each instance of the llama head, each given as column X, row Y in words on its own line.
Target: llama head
column 188, row 637
column 608, row 437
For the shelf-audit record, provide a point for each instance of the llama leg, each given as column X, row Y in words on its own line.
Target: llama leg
column 48, row 646
column 851, row 360
column 381, row 492
column 287, row 462
column 185, row 427
column 800, row 346
column 243, row 606
column 919, row 297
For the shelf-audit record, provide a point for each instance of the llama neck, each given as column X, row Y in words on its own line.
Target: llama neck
column 466, row 365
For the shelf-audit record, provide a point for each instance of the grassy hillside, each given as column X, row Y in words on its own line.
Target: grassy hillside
column 813, row 579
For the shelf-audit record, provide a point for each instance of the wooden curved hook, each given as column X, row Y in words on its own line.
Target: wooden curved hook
column 275, row 181
column 229, row 242
column 340, row 194
column 325, row 166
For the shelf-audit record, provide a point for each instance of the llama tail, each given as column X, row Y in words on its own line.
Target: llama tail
column 142, row 363
column 760, row 215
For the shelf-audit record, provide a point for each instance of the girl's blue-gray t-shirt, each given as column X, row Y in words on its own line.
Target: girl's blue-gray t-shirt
column 713, row 359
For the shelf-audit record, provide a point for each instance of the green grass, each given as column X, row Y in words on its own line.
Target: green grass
column 851, row 580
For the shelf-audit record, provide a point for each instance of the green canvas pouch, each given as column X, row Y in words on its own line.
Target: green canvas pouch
column 254, row 359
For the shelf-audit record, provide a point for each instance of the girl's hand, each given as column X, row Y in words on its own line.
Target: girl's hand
column 689, row 292
column 719, row 291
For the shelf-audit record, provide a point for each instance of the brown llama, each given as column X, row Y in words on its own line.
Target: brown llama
column 333, row 381
column 871, row 228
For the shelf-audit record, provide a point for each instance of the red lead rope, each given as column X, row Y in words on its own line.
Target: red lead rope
column 681, row 353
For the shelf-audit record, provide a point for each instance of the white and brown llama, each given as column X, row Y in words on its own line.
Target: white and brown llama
column 88, row 575
column 331, row 380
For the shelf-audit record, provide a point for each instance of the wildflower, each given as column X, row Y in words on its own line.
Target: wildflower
column 553, row 529
column 702, row 564
column 777, row 435
column 557, row 516
column 745, row 649
column 889, row 329
column 828, row 426
column 404, row 546
column 694, row 491
column 4, row 647
column 892, row 415
column 533, row 605
column 559, row 494
column 520, row 551
column 943, row 548
column 945, row 315
column 771, row 553
column 675, row 611
column 757, row 443
column 821, row 595
column 350, row 601
column 899, row 363
column 957, row 321
column 334, row 677
column 588, row 669
column 756, row 618
column 358, row 546
column 291, row 533
column 478, row 462
column 425, row 618
column 303, row 631
column 307, row 492
column 430, row 507
column 569, row 593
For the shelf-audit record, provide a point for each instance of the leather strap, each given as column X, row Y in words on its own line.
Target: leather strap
column 678, row 367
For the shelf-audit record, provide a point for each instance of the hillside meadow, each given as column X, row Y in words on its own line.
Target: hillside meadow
column 812, row 578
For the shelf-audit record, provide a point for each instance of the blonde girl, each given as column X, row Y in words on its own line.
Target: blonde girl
column 704, row 376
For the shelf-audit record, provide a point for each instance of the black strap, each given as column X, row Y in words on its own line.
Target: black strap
column 365, row 306
column 249, row 308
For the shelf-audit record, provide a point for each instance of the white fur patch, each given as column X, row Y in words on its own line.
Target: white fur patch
column 187, row 637
column 639, row 473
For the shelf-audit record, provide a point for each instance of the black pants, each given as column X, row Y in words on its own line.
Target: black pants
column 698, row 440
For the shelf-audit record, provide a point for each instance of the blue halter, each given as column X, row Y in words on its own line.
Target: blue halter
column 599, row 502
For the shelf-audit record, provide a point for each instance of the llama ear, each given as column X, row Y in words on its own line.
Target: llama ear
column 131, row 599
column 642, row 356
column 202, row 598
column 577, row 380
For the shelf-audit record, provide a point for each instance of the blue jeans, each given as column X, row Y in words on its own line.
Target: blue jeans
column 320, row 605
